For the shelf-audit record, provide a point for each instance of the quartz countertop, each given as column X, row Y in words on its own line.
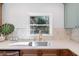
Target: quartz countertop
column 55, row 44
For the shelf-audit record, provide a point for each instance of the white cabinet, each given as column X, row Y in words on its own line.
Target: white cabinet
column 71, row 15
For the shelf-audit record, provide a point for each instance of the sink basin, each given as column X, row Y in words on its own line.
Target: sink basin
column 38, row 44
column 30, row 44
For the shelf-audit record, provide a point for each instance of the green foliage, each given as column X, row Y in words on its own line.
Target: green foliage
column 41, row 21
column 6, row 29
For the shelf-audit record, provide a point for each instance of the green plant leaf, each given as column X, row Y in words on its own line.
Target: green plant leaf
column 6, row 29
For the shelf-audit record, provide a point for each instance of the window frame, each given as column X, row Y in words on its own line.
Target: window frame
column 50, row 23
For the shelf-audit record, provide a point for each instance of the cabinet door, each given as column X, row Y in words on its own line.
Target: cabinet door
column 71, row 15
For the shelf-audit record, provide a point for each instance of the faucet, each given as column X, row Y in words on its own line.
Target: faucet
column 40, row 35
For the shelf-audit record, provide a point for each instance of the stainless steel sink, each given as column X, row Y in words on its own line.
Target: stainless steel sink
column 30, row 44
column 38, row 44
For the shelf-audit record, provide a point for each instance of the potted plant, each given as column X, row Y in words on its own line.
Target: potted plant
column 5, row 30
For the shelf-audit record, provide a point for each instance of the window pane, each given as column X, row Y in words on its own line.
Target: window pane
column 36, row 29
column 39, row 19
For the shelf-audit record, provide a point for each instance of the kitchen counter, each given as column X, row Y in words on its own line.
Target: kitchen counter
column 56, row 44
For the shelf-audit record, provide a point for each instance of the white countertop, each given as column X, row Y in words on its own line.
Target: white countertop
column 56, row 44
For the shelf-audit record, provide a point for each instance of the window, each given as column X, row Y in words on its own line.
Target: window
column 41, row 22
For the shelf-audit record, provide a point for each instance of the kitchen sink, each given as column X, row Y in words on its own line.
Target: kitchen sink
column 34, row 43
column 38, row 43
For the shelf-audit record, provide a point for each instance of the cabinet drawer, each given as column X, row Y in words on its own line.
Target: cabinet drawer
column 31, row 52
column 28, row 52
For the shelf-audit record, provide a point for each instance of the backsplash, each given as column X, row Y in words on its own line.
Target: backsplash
column 22, row 33
column 58, row 33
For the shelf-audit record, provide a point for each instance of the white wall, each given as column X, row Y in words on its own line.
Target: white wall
column 17, row 14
